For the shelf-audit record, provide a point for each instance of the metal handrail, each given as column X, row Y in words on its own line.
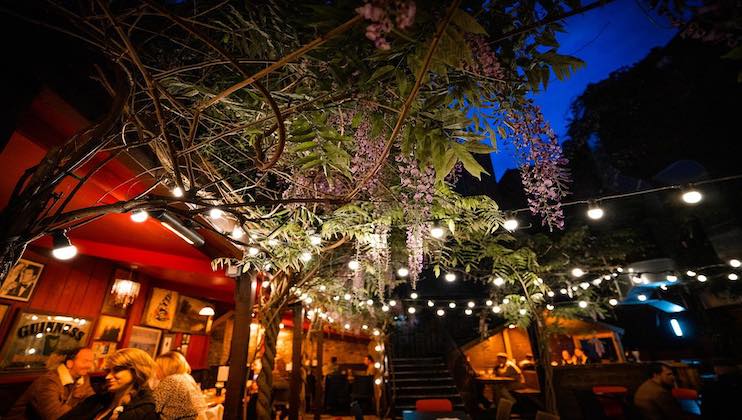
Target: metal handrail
column 456, row 359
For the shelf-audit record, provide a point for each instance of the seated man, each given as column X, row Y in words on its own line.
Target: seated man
column 654, row 397
column 506, row 368
column 57, row 391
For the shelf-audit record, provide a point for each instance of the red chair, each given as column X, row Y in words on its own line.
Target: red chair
column 685, row 394
column 611, row 399
column 610, row 390
column 433, row 405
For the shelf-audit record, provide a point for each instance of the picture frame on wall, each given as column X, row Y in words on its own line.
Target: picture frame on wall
column 167, row 343
column 21, row 280
column 101, row 350
column 36, row 336
column 145, row 338
column 109, row 306
column 109, row 328
column 161, row 308
column 187, row 319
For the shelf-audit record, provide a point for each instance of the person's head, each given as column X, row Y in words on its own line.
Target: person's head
column 368, row 360
column 171, row 363
column 566, row 355
column 662, row 374
column 129, row 368
column 78, row 361
column 579, row 352
column 27, row 275
column 502, row 358
column 529, row 357
column 333, row 360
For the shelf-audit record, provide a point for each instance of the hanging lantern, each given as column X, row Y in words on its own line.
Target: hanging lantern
column 124, row 292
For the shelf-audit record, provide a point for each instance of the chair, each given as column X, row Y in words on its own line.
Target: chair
column 541, row 415
column 504, row 407
column 685, row 394
column 433, row 405
column 612, row 399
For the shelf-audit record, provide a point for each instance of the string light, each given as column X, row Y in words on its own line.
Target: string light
column 470, row 304
column 377, row 348
column 450, row 277
column 430, row 304
column 498, row 281
column 692, row 196
column 272, row 242
column 252, row 251
column 702, row 278
column 550, row 293
column 347, row 326
column 370, row 302
column 322, row 288
column 511, row 326
column 510, row 224
column 584, row 285
column 437, row 232
column 384, row 308
column 735, row 263
column 411, row 309
column 139, row 216
column 336, row 298
column 549, row 306
column 392, row 303
column 582, row 304
column 595, row 212
column 496, row 309
column 452, row 305
column 578, row 272
column 690, row 273
column 177, row 192
column 237, row 233
column 413, row 295
column 315, row 240
column 732, row 276
column 377, row 333
column 505, row 301
column 563, row 291
column 364, row 327
column 613, row 302
column 440, row 312
column 522, row 311
column 354, row 265
column 347, row 296
column 306, row 256
column 403, row 272
column 468, row 311
column 488, row 302
column 281, row 325
column 642, row 297
column 215, row 213
column 636, row 279
column 672, row 278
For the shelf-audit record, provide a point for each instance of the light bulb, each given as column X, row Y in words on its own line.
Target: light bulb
column 702, row 278
column 403, row 272
column 177, row 192
column 642, row 297
column 692, row 196
column 377, row 381
column 735, row 263
column 582, row 304
column 498, row 281
column 468, row 311
column 215, row 213
column 470, row 304
column 252, row 251
column 549, row 306
column 411, row 310
column 315, row 240
column 690, row 273
column 613, row 302
column 392, row 303
column 384, row 308
column 413, row 295
column 511, row 326
column 452, row 305
column 377, row 365
column 672, row 278
column 139, row 216
column 308, row 300
column 522, row 311
column 577, row 272
column 364, row 327
column 437, row 232
column 637, row 280
column 266, row 284
column 430, row 304
column 237, row 232
column 496, row 309
column 347, row 296
column 550, row 293
column 370, row 302
column 440, row 312
column 207, row 311
column 510, row 224
column 563, row 291
column 732, row 276
column 584, row 285
column 63, row 248
column 354, row 265
column 336, row 298
column 346, row 326
column 488, row 302
column 376, row 332
column 272, row 242
column 322, row 288
column 306, row 256
column 450, row 277
column 595, row 212
column 597, row 281
column 505, row 301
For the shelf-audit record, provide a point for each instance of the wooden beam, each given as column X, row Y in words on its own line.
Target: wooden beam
column 318, row 390
column 244, row 295
column 296, row 381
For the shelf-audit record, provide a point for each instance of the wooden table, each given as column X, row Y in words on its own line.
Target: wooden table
column 434, row 415
column 492, row 383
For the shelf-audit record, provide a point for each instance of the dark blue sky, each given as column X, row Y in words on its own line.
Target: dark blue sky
column 608, row 38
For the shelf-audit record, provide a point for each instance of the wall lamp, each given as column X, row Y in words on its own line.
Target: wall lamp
column 174, row 225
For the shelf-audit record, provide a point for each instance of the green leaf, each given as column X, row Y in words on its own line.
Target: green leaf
column 479, row 148
column 381, row 72
column 467, row 22
column 470, row 164
column 305, row 146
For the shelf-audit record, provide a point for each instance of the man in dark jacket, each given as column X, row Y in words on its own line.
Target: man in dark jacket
column 654, row 397
column 57, row 391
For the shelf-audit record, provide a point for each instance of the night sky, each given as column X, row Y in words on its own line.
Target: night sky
column 608, row 38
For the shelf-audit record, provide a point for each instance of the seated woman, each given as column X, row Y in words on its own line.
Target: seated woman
column 580, row 357
column 177, row 395
column 568, row 359
column 128, row 395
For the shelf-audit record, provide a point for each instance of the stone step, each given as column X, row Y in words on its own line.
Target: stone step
column 430, row 388
column 415, row 359
column 437, row 380
column 426, row 373
column 418, row 368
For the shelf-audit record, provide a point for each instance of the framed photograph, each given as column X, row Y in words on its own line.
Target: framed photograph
column 187, row 318
column 109, row 328
column 109, row 307
column 101, row 350
column 146, row 339
column 167, row 343
column 161, row 309
column 21, row 280
column 3, row 311
column 35, row 336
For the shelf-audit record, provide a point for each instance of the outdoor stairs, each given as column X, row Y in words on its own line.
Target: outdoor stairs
column 422, row 378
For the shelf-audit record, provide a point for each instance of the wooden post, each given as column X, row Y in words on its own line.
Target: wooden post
column 244, row 294
column 296, row 382
column 319, row 383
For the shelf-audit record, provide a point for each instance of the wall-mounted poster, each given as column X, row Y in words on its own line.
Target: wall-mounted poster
column 109, row 307
column 161, row 308
column 109, row 328
column 21, row 280
column 167, row 343
column 187, row 318
column 101, row 350
column 36, row 335
column 146, row 339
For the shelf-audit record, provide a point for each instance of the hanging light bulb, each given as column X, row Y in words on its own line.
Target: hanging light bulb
column 594, row 211
column 215, row 213
column 411, row 310
column 498, row 281
column 347, row 296
column 672, row 278
column 584, row 285
column 384, row 308
column 637, row 280
column 511, row 326
column 392, row 303
column 440, row 312
column 177, row 192
column 354, row 265
column 315, row 240
column 207, row 311
column 306, row 256
column 578, row 272
column 732, row 276
column 511, row 224
column 642, row 298
column 563, row 291
column 549, row 306
column 470, row 304
column 139, row 216
column 370, row 302
column 346, row 326
column 468, row 311
column 413, row 295
column 63, row 248
column 437, row 232
column 505, row 301
column 691, row 196
column 690, row 273
column 452, row 305
column 735, row 263
column 403, row 272
column 702, row 278
column 450, row 277
column 496, row 309
column 237, row 233
column 430, row 304
column 613, row 302
column 522, row 311
column 488, row 302
column 582, row 304
column 252, row 251
column 550, row 293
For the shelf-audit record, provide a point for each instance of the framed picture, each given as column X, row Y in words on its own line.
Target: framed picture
column 101, row 350
column 36, row 335
column 109, row 307
column 167, row 343
column 146, row 339
column 109, row 328
column 161, row 309
column 3, row 311
column 187, row 318
column 21, row 280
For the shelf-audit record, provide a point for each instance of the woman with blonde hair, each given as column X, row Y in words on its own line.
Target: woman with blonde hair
column 128, row 395
column 177, row 395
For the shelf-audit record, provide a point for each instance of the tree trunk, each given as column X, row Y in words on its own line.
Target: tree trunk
column 545, row 363
column 270, row 320
column 244, row 293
